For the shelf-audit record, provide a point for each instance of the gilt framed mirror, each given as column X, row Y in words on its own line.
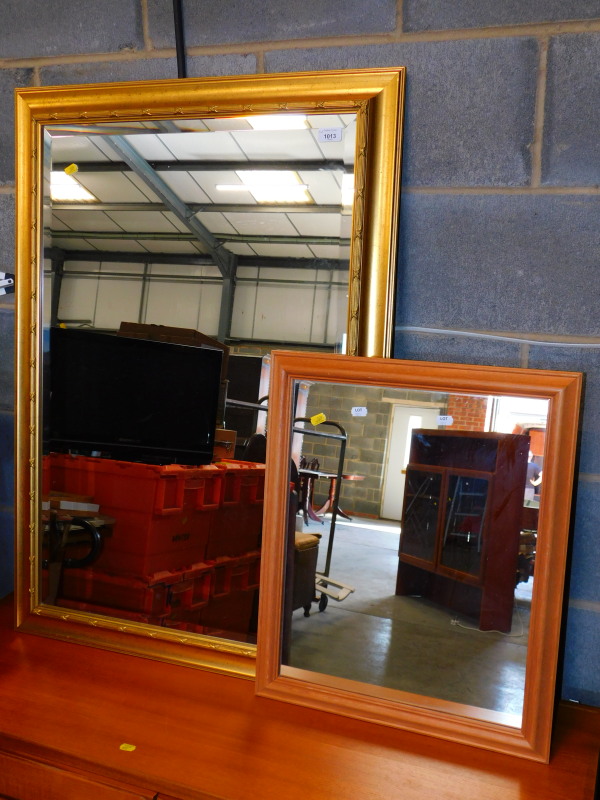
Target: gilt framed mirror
column 252, row 211
column 429, row 504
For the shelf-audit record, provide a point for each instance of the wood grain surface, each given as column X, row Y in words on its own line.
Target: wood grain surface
column 66, row 709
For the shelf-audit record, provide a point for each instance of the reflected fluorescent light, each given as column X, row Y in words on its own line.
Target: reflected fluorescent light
column 64, row 188
column 270, row 186
column 278, row 122
column 347, row 188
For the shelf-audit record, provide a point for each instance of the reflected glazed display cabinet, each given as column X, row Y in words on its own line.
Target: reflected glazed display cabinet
column 461, row 521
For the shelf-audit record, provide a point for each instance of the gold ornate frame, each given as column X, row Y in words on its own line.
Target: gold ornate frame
column 377, row 98
column 427, row 715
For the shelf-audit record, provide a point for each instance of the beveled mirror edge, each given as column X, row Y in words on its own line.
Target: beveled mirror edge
column 443, row 720
column 377, row 97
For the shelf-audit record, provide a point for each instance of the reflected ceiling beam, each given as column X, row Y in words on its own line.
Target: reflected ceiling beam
column 168, row 236
column 197, row 165
column 286, row 262
column 225, row 260
column 259, row 208
column 176, row 259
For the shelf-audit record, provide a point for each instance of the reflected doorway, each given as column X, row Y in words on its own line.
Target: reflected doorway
column 404, row 420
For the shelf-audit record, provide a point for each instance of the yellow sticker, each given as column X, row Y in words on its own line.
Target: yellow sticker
column 71, row 169
column 318, row 419
column 128, row 747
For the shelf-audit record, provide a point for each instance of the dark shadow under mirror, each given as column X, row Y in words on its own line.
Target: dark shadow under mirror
column 424, row 509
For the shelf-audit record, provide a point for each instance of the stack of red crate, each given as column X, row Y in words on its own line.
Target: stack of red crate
column 184, row 550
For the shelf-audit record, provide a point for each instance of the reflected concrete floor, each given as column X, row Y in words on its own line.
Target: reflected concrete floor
column 405, row 643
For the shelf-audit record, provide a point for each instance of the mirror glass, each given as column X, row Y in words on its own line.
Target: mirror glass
column 426, row 563
column 237, row 228
column 415, row 543
column 176, row 231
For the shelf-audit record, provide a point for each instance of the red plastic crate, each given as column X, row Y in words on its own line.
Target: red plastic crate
column 237, row 528
column 193, row 593
column 115, row 591
column 231, row 613
column 158, row 595
column 230, row 574
column 231, row 604
column 163, row 514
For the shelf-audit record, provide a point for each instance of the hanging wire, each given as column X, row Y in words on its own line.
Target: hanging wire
column 179, row 39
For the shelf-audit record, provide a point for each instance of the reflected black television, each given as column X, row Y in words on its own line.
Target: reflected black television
column 131, row 399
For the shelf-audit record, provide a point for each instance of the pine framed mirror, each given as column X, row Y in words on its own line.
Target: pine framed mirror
column 172, row 222
column 447, row 621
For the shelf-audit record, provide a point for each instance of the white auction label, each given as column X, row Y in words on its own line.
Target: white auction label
column 445, row 420
column 359, row 411
column 330, row 135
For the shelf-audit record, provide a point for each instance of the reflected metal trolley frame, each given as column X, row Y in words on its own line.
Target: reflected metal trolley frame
column 527, row 735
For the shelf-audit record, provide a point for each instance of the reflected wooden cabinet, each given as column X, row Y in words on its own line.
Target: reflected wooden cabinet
column 462, row 511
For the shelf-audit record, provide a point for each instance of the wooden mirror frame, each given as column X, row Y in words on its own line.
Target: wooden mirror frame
column 376, row 96
column 426, row 715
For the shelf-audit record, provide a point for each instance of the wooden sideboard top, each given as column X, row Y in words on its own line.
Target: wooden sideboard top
column 201, row 735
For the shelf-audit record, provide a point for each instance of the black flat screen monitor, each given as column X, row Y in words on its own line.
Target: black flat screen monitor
column 131, row 399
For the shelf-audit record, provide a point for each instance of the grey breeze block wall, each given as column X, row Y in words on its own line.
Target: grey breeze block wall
column 498, row 255
column 365, row 452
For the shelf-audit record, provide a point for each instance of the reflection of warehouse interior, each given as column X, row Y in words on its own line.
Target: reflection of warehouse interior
column 226, row 226
column 131, row 530
column 439, row 603
column 236, row 227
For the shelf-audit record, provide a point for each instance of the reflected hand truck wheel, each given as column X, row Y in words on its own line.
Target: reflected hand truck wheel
column 323, row 600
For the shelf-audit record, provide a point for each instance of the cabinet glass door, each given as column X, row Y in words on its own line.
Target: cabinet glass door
column 462, row 541
column 421, row 512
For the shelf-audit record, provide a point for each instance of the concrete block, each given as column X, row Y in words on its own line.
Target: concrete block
column 430, row 15
column 7, row 477
column 352, row 454
column 108, row 71
column 469, row 104
column 7, row 553
column 455, row 349
column 7, row 342
column 571, row 154
column 7, row 233
column 499, row 263
column 578, row 360
column 221, row 65
column 372, row 431
column 585, row 558
column 204, row 23
column 147, row 69
column 581, row 676
column 10, row 79
column 347, row 392
column 369, row 456
column 64, row 27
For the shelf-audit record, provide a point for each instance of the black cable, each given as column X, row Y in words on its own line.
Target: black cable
column 179, row 39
